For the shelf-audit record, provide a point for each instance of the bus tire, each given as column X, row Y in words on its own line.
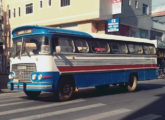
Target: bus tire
column 66, row 89
column 132, row 84
column 32, row 94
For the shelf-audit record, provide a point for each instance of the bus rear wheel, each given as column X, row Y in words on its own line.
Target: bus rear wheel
column 66, row 90
column 132, row 84
column 32, row 94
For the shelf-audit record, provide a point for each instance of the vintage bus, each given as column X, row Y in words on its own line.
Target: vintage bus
column 61, row 61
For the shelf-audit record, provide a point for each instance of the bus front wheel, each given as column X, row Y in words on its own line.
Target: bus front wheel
column 132, row 84
column 32, row 94
column 66, row 90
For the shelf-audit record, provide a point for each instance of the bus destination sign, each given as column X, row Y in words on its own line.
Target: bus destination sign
column 25, row 31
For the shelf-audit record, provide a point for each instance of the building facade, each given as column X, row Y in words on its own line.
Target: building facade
column 158, row 32
column 135, row 18
column 158, row 26
column 2, row 57
column 83, row 15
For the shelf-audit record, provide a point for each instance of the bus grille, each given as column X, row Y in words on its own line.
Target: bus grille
column 23, row 71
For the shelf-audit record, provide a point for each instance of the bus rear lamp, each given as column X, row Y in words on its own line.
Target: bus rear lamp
column 40, row 77
column 34, row 76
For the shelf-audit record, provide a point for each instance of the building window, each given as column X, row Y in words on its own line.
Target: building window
column 14, row 14
column 9, row 13
column 29, row 8
column 136, row 4
column 145, row 9
column 50, row 2
column 65, row 3
column 129, row 2
column 41, row 4
column 19, row 11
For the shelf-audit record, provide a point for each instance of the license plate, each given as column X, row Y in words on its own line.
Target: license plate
column 15, row 81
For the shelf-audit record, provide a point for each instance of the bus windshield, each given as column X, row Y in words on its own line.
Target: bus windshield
column 30, row 46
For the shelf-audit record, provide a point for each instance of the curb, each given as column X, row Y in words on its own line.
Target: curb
column 6, row 91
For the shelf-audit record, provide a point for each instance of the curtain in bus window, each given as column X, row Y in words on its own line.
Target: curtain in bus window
column 118, row 48
column 66, row 45
column 135, row 48
column 99, row 46
column 152, row 50
column 81, row 46
column 148, row 49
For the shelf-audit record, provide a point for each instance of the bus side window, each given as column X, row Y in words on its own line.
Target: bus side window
column 139, row 49
column 135, row 48
column 153, row 50
column 64, row 45
column 81, row 45
column 99, row 46
column 118, row 48
column 149, row 50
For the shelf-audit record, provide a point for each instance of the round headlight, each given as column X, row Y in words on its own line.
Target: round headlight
column 11, row 76
column 39, row 77
column 34, row 76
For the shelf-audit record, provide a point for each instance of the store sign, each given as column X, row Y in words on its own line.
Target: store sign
column 113, row 25
column 116, row 6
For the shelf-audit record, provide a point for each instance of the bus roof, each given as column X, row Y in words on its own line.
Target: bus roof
column 59, row 31
column 41, row 29
column 124, row 38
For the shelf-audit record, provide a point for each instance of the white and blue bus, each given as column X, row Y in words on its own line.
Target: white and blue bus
column 60, row 61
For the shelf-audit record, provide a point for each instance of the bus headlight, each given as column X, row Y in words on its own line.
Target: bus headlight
column 39, row 77
column 34, row 76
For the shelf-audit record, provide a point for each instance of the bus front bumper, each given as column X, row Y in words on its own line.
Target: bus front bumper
column 30, row 86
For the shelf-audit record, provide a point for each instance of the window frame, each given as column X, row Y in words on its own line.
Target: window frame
column 65, row 3
column 41, row 4
column 14, row 12
column 49, row 3
column 135, row 45
column 9, row 13
column 56, row 44
column 19, row 11
column 118, row 43
column 129, row 2
column 99, row 49
column 145, row 9
column 136, row 4
column 29, row 8
column 82, row 47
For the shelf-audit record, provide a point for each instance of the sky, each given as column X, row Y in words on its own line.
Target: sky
column 158, row 5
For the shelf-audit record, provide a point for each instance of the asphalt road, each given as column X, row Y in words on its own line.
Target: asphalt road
column 146, row 103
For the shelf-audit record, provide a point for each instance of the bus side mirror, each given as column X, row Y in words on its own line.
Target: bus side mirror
column 58, row 49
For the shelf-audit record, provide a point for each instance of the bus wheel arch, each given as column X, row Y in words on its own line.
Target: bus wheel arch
column 132, row 83
column 66, row 87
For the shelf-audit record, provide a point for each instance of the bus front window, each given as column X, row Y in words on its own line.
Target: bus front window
column 30, row 46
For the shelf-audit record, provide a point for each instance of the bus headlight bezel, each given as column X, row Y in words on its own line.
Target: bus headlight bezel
column 40, row 77
column 34, row 77
column 11, row 75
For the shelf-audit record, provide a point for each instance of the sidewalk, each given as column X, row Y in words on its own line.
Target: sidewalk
column 5, row 91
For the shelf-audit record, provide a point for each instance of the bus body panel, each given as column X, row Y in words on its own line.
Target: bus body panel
column 45, row 66
column 44, row 63
column 117, row 77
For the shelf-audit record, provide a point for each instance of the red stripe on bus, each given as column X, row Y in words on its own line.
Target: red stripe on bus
column 109, row 67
